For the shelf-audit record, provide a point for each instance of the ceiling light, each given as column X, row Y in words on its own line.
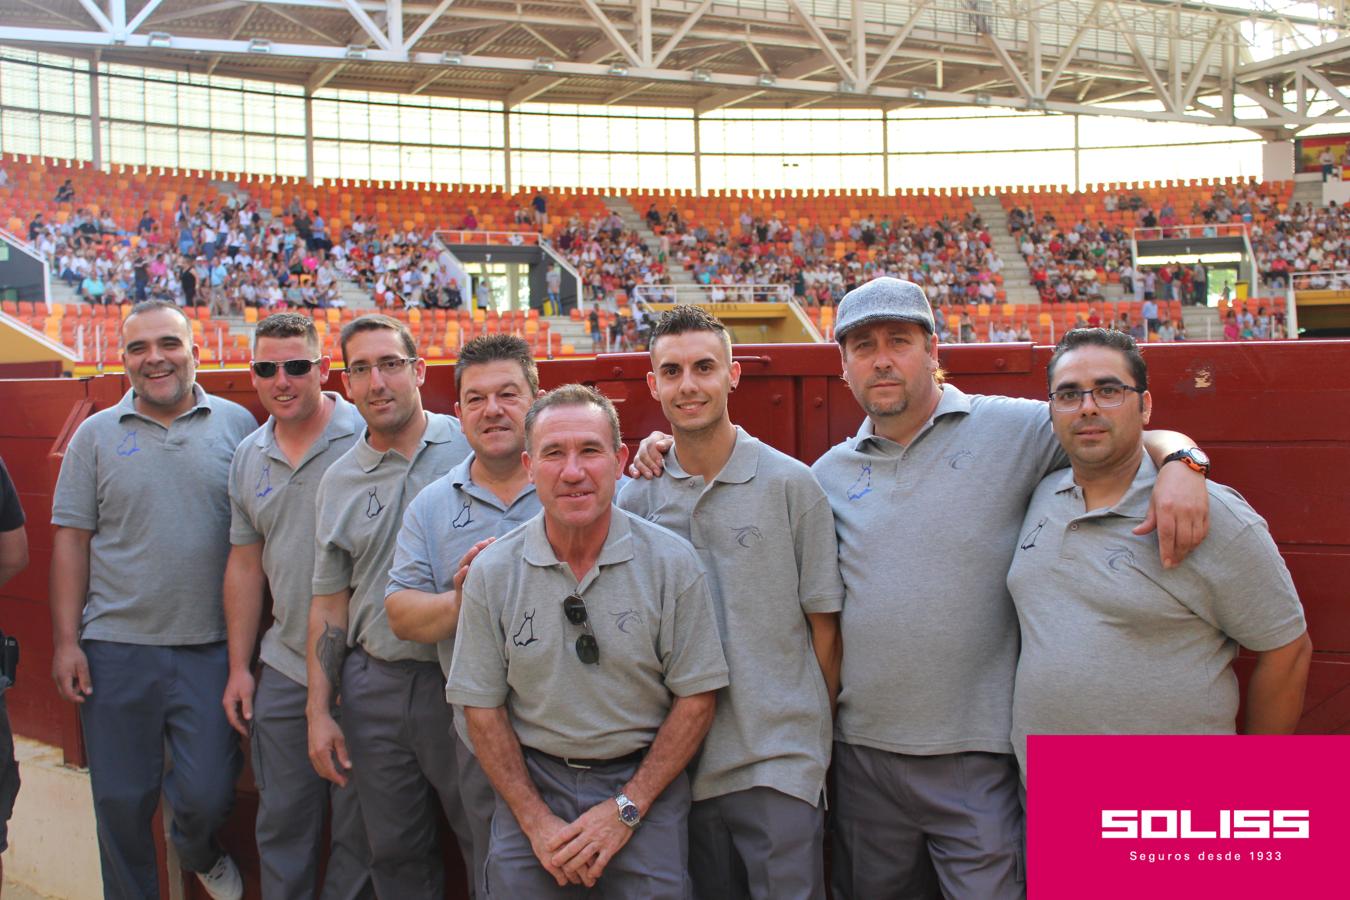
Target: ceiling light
column 918, row 94
column 159, row 39
column 618, row 69
column 847, row 87
column 983, row 99
column 544, row 64
column 452, row 58
column 767, row 79
column 702, row 75
column 356, row 51
column 258, row 45
column 1036, row 103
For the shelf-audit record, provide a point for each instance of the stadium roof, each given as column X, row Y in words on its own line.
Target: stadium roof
column 1274, row 66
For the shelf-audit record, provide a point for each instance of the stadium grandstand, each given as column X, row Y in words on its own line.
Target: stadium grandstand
column 565, row 170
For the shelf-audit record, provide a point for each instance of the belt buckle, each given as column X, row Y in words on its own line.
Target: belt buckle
column 574, row 765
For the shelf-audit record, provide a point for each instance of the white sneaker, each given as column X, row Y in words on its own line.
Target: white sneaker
column 223, row 881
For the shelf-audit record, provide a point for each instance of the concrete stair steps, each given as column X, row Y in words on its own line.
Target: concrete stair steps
column 633, row 221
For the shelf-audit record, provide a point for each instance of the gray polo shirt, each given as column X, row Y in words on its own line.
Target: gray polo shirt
column 763, row 530
column 362, row 499
column 275, row 504
column 926, row 534
column 441, row 525
column 648, row 603
column 156, row 499
column 1113, row 643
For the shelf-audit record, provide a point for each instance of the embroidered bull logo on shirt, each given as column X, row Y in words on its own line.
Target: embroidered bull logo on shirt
column 373, row 505
column 625, row 618
column 1030, row 540
column 524, row 635
column 128, row 445
column 264, row 485
column 960, row 459
column 465, row 516
column 747, row 535
column 862, row 485
column 1119, row 558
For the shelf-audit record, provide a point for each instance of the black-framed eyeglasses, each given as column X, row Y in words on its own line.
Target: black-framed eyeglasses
column 1105, row 396
column 294, row 367
column 387, row 367
column 588, row 650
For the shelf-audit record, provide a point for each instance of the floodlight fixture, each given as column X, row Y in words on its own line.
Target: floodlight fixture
column 258, row 45
column 357, row 51
column 544, row 64
column 702, row 75
column 618, row 69
column 983, row 99
column 1036, row 103
column 918, row 93
column 452, row 58
column 767, row 79
column 159, row 39
column 847, row 87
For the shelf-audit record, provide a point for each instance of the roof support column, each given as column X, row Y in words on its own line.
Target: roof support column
column 506, row 144
column 885, row 152
column 95, row 116
column 698, row 156
column 309, row 136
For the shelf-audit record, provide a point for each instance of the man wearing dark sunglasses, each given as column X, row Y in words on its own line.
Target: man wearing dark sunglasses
column 587, row 659
column 394, row 738
column 273, row 483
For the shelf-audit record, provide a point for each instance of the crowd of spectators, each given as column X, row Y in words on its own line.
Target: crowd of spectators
column 1305, row 239
column 953, row 259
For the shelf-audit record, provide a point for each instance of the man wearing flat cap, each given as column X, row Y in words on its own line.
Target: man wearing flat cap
column 928, row 500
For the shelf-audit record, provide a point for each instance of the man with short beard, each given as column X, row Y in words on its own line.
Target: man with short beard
column 273, row 483
column 138, row 559
column 395, row 722
column 482, row 498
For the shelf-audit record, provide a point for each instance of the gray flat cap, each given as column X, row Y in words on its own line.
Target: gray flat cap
column 883, row 299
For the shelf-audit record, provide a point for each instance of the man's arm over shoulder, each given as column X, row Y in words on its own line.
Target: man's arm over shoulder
column 691, row 648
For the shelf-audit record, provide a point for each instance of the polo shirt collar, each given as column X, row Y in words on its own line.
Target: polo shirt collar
column 952, row 401
column 461, row 479
column 438, row 432
column 618, row 546
column 127, row 405
column 1133, row 504
column 342, row 423
column 740, row 466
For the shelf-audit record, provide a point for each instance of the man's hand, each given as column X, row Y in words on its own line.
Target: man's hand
column 464, row 562
column 584, row 848
column 328, row 749
column 70, row 670
column 543, row 834
column 650, row 461
column 238, row 700
column 1179, row 509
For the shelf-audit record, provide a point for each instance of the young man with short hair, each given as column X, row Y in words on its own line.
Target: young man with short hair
column 764, row 530
column 273, row 482
column 486, row 495
column 394, row 740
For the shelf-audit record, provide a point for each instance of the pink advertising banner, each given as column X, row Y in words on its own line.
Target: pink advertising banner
column 1188, row 816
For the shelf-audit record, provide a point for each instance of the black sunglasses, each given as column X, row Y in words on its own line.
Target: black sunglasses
column 588, row 651
column 294, row 367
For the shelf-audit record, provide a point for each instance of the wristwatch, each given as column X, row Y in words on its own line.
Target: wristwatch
column 628, row 811
column 1194, row 458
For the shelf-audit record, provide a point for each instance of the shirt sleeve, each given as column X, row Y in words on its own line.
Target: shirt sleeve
column 478, row 666
column 819, row 586
column 75, row 500
column 1255, row 603
column 242, row 530
column 691, row 648
column 411, row 569
column 333, row 568
column 11, row 511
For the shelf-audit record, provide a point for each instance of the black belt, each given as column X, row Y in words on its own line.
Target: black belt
column 574, row 763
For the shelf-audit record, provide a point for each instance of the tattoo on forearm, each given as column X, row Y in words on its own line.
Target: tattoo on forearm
column 331, row 649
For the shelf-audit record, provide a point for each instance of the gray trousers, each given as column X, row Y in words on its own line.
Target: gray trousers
column 144, row 696
column 479, row 801
column 653, row 865
column 293, row 802
column 926, row 826
column 757, row 843
column 397, row 726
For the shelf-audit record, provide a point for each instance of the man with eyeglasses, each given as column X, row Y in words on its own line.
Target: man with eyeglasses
column 586, row 661
column 937, row 481
column 1113, row 642
column 763, row 527
column 485, row 496
column 142, row 516
column 273, row 483
column 394, row 740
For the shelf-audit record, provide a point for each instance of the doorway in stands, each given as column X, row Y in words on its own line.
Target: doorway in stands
column 1223, row 286
column 499, row 286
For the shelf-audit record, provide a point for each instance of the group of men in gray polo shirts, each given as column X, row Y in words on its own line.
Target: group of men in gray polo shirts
column 688, row 657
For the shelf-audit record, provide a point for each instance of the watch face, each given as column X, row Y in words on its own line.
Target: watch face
column 629, row 814
column 1200, row 456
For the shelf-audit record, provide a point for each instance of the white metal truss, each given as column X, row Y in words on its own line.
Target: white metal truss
column 1151, row 59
